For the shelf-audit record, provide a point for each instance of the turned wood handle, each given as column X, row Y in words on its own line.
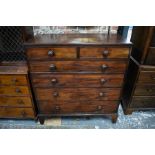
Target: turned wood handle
column 99, row 107
column 104, row 67
column 103, row 81
column 153, row 78
column 101, row 94
column 57, row 108
column 54, row 81
column 18, row 90
column 14, row 80
column 55, row 94
column 149, row 90
column 23, row 113
column 20, row 102
column 52, row 67
column 50, row 53
column 105, row 53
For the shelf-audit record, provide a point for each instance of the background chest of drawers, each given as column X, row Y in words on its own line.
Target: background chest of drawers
column 139, row 88
column 75, row 75
column 15, row 94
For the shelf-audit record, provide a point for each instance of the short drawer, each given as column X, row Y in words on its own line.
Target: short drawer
column 144, row 91
column 68, row 94
column 143, row 102
column 150, row 59
column 14, row 90
column 15, row 101
column 146, row 77
column 77, row 80
column 17, row 80
column 99, row 52
column 79, row 66
column 16, row 112
column 51, row 53
column 87, row 107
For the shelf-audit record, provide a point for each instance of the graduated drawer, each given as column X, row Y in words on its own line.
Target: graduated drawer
column 51, row 53
column 143, row 102
column 77, row 80
column 100, row 52
column 144, row 90
column 146, row 77
column 87, row 107
column 13, row 80
column 150, row 59
column 15, row 101
column 78, row 66
column 7, row 112
column 68, row 94
column 14, row 90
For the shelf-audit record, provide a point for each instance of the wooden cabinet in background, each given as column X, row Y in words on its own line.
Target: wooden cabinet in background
column 15, row 92
column 139, row 88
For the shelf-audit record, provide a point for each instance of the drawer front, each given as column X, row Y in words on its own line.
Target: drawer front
column 14, row 90
column 13, row 80
column 76, row 80
column 150, row 60
column 146, row 78
column 78, row 66
column 51, row 53
column 70, row 94
column 100, row 107
column 143, row 102
column 15, row 101
column 145, row 91
column 16, row 112
column 89, row 52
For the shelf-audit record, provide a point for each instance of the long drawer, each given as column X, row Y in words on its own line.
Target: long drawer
column 100, row 52
column 77, row 80
column 92, row 107
column 146, row 77
column 72, row 94
column 13, row 80
column 16, row 112
column 145, row 90
column 143, row 102
column 78, row 66
column 14, row 90
column 15, row 101
column 51, row 53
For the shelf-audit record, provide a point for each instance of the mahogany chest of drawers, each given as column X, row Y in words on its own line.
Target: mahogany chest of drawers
column 77, row 74
column 139, row 88
column 15, row 94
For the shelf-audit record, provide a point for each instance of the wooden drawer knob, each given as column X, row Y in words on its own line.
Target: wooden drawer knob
column 99, row 107
column 52, row 67
column 14, row 80
column 54, row 81
column 149, row 90
column 104, row 67
column 20, row 102
column 101, row 94
column 105, row 53
column 23, row 113
column 50, row 53
column 103, row 81
column 57, row 108
column 18, row 90
column 55, row 94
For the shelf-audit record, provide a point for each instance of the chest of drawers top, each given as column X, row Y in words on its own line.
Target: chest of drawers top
column 77, row 40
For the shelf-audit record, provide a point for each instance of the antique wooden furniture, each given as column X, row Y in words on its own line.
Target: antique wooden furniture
column 77, row 74
column 139, row 88
column 15, row 94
